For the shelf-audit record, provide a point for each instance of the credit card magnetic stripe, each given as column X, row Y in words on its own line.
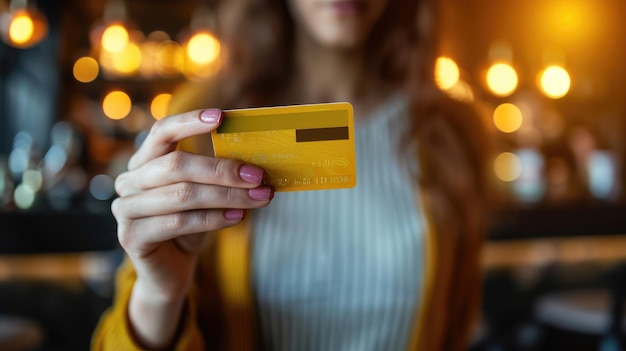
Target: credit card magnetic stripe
column 322, row 134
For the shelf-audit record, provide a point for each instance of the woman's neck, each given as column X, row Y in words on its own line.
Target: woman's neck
column 327, row 74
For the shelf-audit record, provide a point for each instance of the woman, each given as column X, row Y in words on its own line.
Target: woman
column 215, row 261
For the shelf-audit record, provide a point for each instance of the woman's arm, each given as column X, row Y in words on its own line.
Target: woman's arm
column 169, row 201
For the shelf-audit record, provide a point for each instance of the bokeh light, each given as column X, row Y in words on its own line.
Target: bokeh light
column 461, row 91
column 21, row 28
column 571, row 21
column 555, row 82
column 128, row 60
column 115, row 38
column 507, row 118
column 55, row 159
column 502, row 79
column 147, row 67
column 101, row 187
column 446, row 73
column 24, row 196
column 116, row 104
column 203, row 48
column 86, row 69
column 33, row 179
column 159, row 105
column 507, row 166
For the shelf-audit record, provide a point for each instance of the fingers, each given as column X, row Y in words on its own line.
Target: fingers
column 178, row 166
column 153, row 230
column 181, row 197
column 176, row 210
column 167, row 132
column 168, row 194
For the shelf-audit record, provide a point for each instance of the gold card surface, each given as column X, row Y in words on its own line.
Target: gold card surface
column 303, row 147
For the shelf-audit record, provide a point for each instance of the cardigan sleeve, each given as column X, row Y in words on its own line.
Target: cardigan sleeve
column 114, row 333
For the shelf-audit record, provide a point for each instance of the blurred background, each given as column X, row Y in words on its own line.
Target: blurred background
column 81, row 81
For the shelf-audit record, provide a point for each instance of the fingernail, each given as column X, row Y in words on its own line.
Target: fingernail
column 262, row 193
column 251, row 174
column 234, row 214
column 211, row 116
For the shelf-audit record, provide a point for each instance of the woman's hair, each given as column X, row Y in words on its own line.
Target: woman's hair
column 258, row 36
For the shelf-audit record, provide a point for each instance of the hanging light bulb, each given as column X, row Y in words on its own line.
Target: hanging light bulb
column 201, row 46
column 117, row 44
column 22, row 26
column 111, row 34
column 114, row 38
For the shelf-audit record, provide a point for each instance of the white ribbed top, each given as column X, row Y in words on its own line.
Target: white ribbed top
column 342, row 269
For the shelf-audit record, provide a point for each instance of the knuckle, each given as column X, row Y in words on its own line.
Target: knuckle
column 125, row 239
column 207, row 220
column 132, row 162
column 175, row 222
column 232, row 195
column 117, row 208
column 125, row 235
column 219, row 167
column 120, row 183
column 222, row 168
column 183, row 192
column 213, row 220
column 174, row 161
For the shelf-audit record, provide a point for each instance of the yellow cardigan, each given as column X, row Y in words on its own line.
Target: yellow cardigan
column 229, row 286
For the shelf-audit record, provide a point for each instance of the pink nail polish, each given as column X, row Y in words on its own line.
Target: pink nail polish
column 234, row 214
column 262, row 193
column 251, row 174
column 211, row 116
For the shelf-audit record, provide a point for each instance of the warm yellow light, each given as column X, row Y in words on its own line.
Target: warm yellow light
column 203, row 48
column 21, row 29
column 116, row 105
column 507, row 118
column 194, row 71
column 170, row 58
column 507, row 166
column 114, row 38
column 86, row 69
column 446, row 73
column 127, row 60
column 569, row 20
column 105, row 60
column 461, row 91
column 555, row 82
column 159, row 105
column 501, row 79
column 147, row 67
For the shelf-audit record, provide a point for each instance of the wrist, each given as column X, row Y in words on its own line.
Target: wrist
column 149, row 294
column 154, row 318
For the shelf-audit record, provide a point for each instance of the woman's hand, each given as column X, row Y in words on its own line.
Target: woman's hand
column 168, row 201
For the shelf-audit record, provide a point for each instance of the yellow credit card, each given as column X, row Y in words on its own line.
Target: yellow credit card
column 303, row 147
